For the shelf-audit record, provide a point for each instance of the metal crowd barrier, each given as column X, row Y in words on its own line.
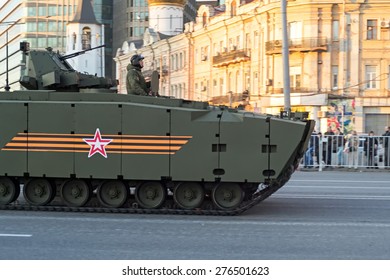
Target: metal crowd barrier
column 353, row 152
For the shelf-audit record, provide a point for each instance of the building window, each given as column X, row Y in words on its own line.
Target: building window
column 204, row 53
column 335, row 76
column 237, row 81
column 388, row 78
column 256, row 40
column 295, row 77
column 255, row 82
column 370, row 76
column 295, row 30
column 42, row 43
column 204, row 19
column 31, row 11
column 335, row 30
column 33, row 42
column 42, row 27
column 197, row 93
column 230, row 85
column 42, row 11
column 74, row 40
column 221, row 84
column 372, row 26
column 231, row 45
column 31, row 26
column 295, row 81
column 233, row 9
column 247, row 41
column 247, row 82
column 59, row 11
column 52, row 10
column 52, row 26
column 86, row 38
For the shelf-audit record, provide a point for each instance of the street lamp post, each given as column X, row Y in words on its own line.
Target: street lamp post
column 7, row 55
column 7, row 87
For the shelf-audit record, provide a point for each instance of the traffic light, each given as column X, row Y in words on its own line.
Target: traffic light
column 24, row 46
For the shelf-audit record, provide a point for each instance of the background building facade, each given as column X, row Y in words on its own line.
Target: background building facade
column 232, row 54
column 339, row 66
column 43, row 23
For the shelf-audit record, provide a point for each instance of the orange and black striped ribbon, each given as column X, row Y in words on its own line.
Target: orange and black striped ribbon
column 125, row 144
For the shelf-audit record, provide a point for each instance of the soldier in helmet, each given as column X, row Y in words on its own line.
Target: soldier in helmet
column 135, row 81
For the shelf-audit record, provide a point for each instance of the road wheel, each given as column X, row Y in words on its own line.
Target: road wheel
column 227, row 195
column 189, row 195
column 9, row 190
column 112, row 194
column 76, row 192
column 39, row 191
column 150, row 194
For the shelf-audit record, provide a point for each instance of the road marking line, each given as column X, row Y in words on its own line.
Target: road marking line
column 14, row 235
column 324, row 196
column 337, row 187
column 337, row 181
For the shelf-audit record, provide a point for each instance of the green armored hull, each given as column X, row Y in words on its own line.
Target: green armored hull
column 98, row 149
column 151, row 144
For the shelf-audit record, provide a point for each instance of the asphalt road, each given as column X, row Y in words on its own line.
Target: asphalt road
column 317, row 215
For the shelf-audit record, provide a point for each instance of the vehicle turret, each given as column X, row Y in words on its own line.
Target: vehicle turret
column 48, row 70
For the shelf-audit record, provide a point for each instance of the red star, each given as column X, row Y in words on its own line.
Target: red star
column 98, row 145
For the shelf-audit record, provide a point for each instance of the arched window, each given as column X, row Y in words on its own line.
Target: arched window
column 74, row 40
column 172, row 62
column 230, row 85
column 237, row 82
column 204, row 19
column 233, row 9
column 86, row 38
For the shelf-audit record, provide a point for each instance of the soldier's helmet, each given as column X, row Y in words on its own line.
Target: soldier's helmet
column 135, row 59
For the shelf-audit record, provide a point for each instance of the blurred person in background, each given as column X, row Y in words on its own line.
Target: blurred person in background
column 370, row 150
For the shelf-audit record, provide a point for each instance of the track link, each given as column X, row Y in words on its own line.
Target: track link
column 167, row 211
column 256, row 198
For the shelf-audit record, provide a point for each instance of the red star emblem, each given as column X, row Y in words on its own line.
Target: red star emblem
column 97, row 144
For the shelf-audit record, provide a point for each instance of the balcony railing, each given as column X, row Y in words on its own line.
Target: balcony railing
column 310, row 44
column 231, row 98
column 231, row 57
column 295, row 90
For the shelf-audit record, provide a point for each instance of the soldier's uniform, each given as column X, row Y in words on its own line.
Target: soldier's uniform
column 135, row 81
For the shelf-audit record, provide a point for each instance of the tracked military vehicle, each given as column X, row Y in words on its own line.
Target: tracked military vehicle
column 69, row 143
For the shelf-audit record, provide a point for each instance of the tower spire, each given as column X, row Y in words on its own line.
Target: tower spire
column 85, row 13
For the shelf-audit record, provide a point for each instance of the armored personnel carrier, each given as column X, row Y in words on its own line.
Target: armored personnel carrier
column 70, row 143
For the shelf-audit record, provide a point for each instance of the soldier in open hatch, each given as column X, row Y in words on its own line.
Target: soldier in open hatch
column 135, row 81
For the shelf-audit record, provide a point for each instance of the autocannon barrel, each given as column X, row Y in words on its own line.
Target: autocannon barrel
column 65, row 57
